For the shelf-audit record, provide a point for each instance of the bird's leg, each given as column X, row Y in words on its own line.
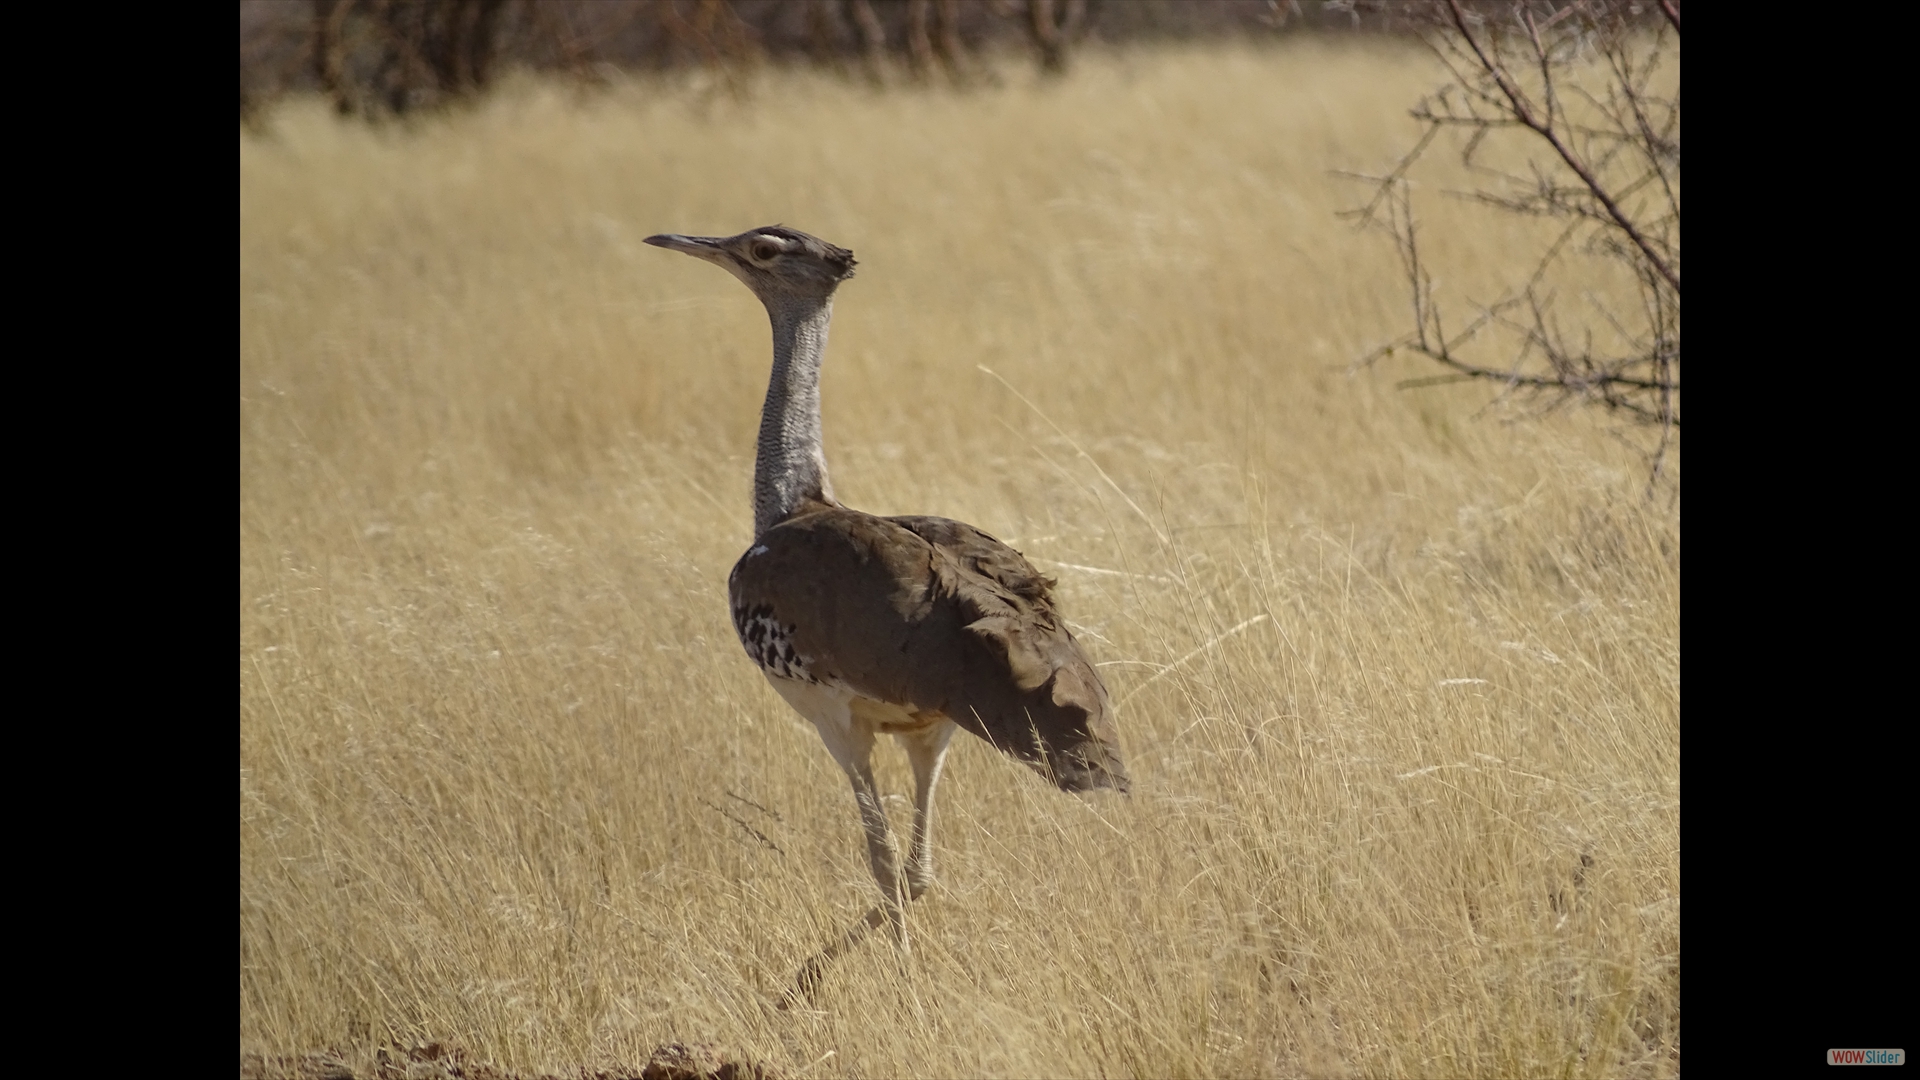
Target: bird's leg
column 849, row 736
column 927, row 749
column 880, row 851
column 856, row 757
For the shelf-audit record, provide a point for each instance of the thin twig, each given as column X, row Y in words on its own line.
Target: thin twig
column 1545, row 130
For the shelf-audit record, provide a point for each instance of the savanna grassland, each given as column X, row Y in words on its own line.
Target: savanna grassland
column 1397, row 673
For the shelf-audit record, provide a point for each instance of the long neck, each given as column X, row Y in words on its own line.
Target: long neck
column 791, row 466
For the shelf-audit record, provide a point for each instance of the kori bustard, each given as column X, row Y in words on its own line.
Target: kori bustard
column 905, row 626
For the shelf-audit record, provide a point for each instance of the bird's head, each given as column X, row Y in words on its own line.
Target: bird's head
column 776, row 262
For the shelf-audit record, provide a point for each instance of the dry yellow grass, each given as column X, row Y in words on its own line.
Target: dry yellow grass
column 1398, row 683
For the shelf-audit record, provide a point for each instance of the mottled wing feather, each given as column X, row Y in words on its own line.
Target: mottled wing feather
column 983, row 555
column 936, row 616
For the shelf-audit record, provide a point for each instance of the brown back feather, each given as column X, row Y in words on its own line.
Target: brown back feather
column 936, row 614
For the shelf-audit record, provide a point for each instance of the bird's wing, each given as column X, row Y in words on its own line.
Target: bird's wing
column 936, row 616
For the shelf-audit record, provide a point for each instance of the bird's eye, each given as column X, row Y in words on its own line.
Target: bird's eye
column 764, row 252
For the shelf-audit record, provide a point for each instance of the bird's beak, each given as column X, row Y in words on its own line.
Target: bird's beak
column 703, row 247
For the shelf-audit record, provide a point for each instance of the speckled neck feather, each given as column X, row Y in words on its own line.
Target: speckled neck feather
column 791, row 466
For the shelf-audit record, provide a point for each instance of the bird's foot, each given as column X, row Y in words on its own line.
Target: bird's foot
column 918, row 885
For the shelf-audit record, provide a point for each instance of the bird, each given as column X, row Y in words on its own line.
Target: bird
column 909, row 626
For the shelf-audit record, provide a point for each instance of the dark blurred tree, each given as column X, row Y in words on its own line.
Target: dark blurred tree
column 1053, row 26
column 378, row 57
column 397, row 55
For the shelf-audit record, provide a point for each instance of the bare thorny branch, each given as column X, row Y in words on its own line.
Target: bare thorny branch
column 1604, row 161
